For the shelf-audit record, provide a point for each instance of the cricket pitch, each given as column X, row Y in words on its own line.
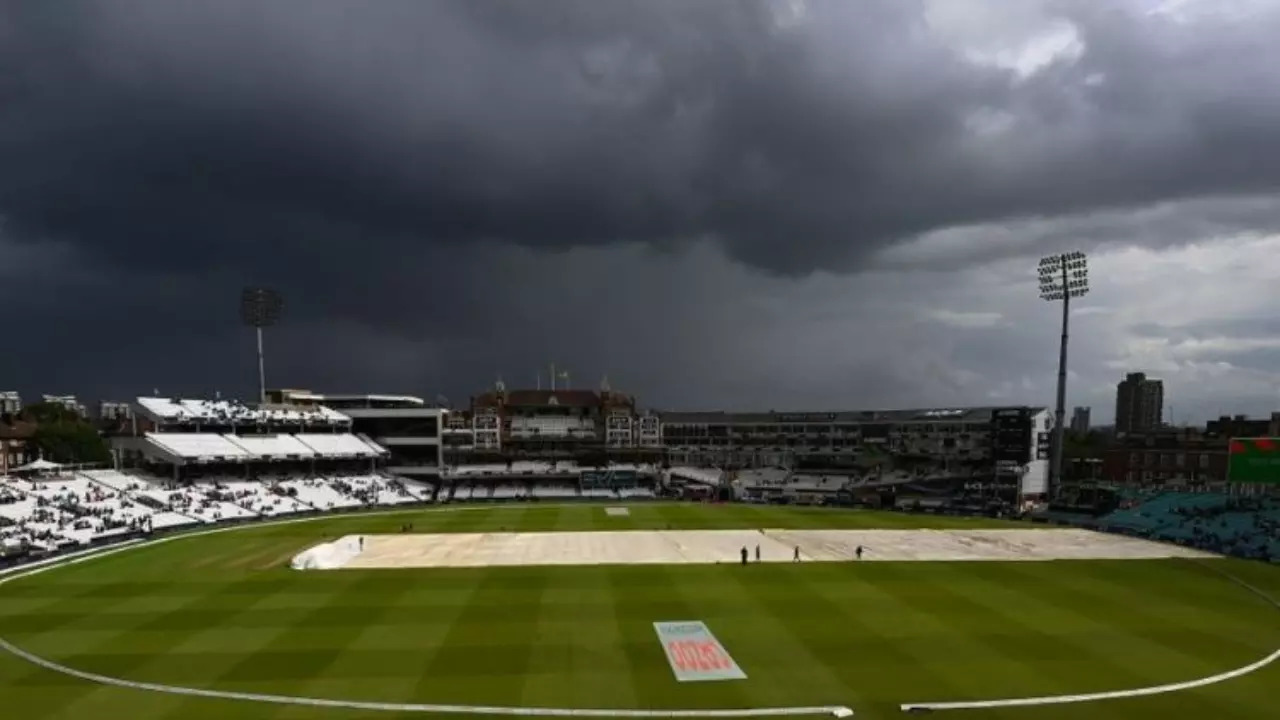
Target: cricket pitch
column 671, row 547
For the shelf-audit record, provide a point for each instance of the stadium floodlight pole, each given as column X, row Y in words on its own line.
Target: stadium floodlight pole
column 260, row 308
column 1062, row 277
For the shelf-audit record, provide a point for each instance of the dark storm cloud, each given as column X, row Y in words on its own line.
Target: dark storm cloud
column 237, row 133
column 486, row 181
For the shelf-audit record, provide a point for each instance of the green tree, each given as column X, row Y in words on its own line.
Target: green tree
column 1089, row 445
column 46, row 412
column 63, row 436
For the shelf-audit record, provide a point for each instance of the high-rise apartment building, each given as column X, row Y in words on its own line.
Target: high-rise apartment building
column 1080, row 420
column 1139, row 404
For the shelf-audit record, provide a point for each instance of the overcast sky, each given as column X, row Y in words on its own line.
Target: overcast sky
column 719, row 204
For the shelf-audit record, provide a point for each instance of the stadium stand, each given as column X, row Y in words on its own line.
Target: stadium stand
column 763, row 477
column 341, row 445
column 211, row 447
column 234, row 412
column 75, row 509
column 1235, row 525
column 636, row 492
column 193, row 462
column 551, row 426
column 555, row 491
column 273, row 447
column 197, row 447
column 705, row 476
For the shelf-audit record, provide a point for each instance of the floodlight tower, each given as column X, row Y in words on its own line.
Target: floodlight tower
column 1062, row 277
column 260, row 308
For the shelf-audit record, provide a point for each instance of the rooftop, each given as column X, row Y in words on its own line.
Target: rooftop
column 973, row 414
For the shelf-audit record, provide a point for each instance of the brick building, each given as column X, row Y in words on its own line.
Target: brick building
column 1185, row 456
column 16, row 447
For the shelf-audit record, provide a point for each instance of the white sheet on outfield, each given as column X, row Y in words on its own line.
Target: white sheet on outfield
column 327, row 556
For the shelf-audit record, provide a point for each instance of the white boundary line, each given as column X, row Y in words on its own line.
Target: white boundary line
column 93, row 554
column 1089, row 697
column 1113, row 694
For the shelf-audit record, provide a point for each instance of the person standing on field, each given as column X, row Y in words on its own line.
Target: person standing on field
column 757, row 553
column 796, row 557
column 744, row 554
column 858, row 552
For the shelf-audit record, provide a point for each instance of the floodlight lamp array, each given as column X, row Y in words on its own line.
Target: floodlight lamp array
column 260, row 307
column 1064, row 275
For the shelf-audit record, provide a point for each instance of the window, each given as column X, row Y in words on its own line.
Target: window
column 1204, row 462
column 1182, row 459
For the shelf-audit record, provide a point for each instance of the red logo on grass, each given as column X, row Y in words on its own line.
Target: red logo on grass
column 700, row 655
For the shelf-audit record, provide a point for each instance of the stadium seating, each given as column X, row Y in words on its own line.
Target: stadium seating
column 527, row 467
column 192, row 502
column 701, row 475
column 232, row 412
column 206, row 447
column 197, row 446
column 340, row 445
column 70, row 510
column 763, row 477
column 81, row 508
column 259, row 498
column 526, row 427
column 506, row 491
column 529, row 479
column 1244, row 526
column 319, row 494
column 273, row 446
column 555, row 491
column 636, row 493
column 476, row 470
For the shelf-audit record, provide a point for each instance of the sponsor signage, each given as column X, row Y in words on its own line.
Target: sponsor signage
column 1254, row 460
column 1043, row 444
column 806, row 417
column 694, row 653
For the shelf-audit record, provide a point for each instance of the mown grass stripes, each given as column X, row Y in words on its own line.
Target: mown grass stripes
column 223, row 611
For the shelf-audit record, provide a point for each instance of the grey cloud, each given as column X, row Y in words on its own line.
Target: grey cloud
column 1158, row 226
column 1239, row 327
column 213, row 133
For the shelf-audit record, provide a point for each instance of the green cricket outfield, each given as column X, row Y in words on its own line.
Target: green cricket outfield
column 224, row 612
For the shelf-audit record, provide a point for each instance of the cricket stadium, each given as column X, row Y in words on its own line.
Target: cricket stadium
column 564, row 553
